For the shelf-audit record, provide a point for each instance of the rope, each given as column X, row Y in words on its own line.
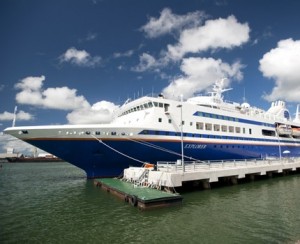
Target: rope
column 123, row 154
column 160, row 148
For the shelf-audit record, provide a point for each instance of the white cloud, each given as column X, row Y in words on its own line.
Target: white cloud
column 199, row 74
column 282, row 65
column 214, row 34
column 62, row 98
column 100, row 112
column 31, row 83
column 128, row 53
column 147, row 62
column 80, row 58
column 21, row 115
column 168, row 22
column 1, row 87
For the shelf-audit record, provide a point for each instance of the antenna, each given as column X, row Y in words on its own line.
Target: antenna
column 244, row 97
column 297, row 114
column 15, row 116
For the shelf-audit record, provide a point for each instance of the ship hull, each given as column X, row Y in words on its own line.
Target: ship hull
column 108, row 158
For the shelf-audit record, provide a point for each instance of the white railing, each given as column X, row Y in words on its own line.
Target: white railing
column 190, row 166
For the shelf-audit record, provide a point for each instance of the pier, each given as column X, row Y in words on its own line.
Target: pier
column 173, row 174
column 152, row 187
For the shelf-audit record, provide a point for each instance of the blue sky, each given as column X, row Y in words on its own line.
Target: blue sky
column 70, row 62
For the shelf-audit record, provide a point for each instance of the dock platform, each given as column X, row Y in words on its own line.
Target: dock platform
column 154, row 187
column 173, row 174
column 138, row 196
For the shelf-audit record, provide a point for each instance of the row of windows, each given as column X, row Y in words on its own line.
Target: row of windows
column 215, row 127
column 146, row 106
column 171, row 133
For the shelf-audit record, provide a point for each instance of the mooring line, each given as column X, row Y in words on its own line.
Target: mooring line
column 115, row 150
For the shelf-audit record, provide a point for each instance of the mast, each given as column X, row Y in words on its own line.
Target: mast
column 15, row 116
column 297, row 119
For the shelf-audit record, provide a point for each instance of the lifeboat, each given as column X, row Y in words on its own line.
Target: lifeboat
column 284, row 130
column 296, row 132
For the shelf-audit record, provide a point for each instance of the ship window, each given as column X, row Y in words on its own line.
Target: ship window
column 199, row 126
column 160, row 105
column 231, row 129
column 244, row 130
column 170, row 121
column 150, row 104
column 250, row 131
column 97, row 133
column 113, row 133
column 166, row 106
column 216, row 127
column 159, row 120
column 208, row 126
column 182, row 122
column 191, row 123
column 268, row 132
column 146, row 105
column 88, row 132
column 24, row 131
column 224, row 128
column 146, row 132
column 237, row 129
column 156, row 104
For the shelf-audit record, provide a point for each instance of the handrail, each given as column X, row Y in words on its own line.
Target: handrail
column 194, row 165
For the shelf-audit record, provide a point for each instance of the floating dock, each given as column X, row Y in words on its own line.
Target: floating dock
column 138, row 196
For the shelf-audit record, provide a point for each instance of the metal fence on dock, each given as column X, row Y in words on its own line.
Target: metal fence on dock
column 190, row 166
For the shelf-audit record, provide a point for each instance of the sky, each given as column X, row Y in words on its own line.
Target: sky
column 77, row 61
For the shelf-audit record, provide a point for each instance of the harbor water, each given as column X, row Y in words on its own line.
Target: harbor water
column 54, row 203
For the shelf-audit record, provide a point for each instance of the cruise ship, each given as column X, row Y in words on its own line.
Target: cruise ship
column 151, row 129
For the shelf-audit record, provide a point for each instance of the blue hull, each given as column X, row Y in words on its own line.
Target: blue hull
column 97, row 160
